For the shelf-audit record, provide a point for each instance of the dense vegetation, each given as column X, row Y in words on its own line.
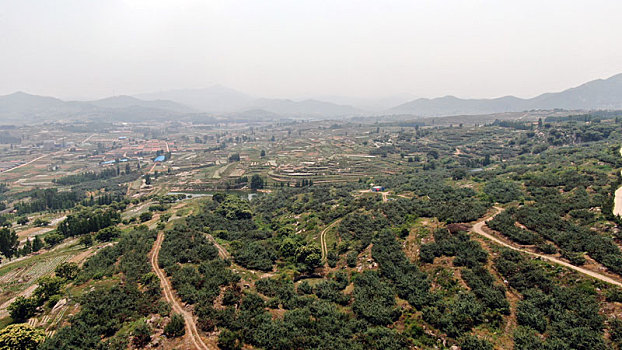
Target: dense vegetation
column 394, row 271
column 48, row 199
column 106, row 312
column 88, row 220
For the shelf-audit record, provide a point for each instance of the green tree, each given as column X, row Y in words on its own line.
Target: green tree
column 8, row 242
column 37, row 244
column 471, row 342
column 21, row 336
column 53, row 239
column 146, row 216
column 27, row 248
column 310, row 255
column 228, row 340
column 22, row 220
column 107, row 234
column 234, row 157
column 176, row 327
column 147, row 179
column 67, row 270
column 48, row 286
column 141, row 334
column 87, row 240
column 615, row 329
column 39, row 222
column 256, row 182
column 263, row 153
column 22, row 309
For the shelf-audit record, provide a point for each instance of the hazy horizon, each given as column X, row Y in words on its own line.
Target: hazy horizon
column 306, row 49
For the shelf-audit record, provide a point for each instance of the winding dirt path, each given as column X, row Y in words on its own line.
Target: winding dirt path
column 479, row 229
column 222, row 252
column 191, row 328
column 617, row 201
column 323, row 238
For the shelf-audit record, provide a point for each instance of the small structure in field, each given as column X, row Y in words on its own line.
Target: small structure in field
column 377, row 189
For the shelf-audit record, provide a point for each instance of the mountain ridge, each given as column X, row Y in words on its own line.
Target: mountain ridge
column 220, row 101
column 594, row 94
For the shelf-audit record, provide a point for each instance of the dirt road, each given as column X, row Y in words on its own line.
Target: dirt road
column 323, row 238
column 222, row 252
column 191, row 327
column 617, row 203
column 25, row 164
column 479, row 229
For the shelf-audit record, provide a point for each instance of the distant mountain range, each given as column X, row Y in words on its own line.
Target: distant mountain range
column 220, row 99
column 222, row 102
column 596, row 94
column 23, row 107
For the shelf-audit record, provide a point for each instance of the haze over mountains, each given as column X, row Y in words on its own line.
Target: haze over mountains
column 225, row 102
column 596, row 94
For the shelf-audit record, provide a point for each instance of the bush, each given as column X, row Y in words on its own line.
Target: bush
column 141, row 334
column 615, row 329
column 21, row 337
column 305, row 288
column 471, row 342
column 176, row 327
column 107, row 234
column 228, row 340
column 54, row 299
column 502, row 192
column 351, row 259
column 67, row 270
column 53, row 239
column 614, row 294
column 22, row 309
column 146, row 216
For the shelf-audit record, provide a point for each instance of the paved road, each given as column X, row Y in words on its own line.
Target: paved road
column 191, row 328
column 478, row 228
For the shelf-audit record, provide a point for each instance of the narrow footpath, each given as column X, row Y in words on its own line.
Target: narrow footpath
column 191, row 327
column 323, row 238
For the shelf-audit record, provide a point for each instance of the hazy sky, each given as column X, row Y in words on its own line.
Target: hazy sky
column 295, row 48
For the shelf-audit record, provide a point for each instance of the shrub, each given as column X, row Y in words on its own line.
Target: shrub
column 141, row 334
column 146, row 216
column 67, row 270
column 21, row 337
column 176, row 327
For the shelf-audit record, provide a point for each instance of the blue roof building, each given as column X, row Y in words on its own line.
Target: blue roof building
column 159, row 159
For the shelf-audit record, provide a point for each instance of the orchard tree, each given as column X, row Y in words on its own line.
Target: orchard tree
column 22, row 309
column 309, row 255
column 67, row 270
column 87, row 240
column 176, row 327
column 21, row 336
column 142, row 335
column 146, row 216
